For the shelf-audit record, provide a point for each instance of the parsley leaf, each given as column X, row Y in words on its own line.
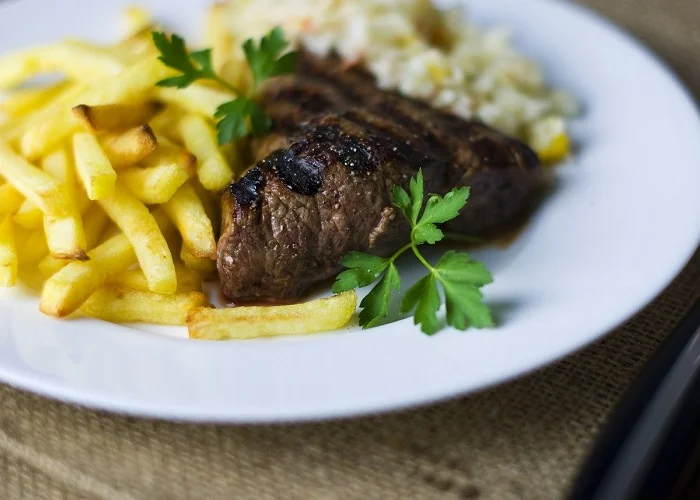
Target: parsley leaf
column 459, row 276
column 461, row 268
column 375, row 305
column 423, row 296
column 264, row 59
column 416, row 188
column 427, row 233
column 242, row 116
column 442, row 209
column 363, row 269
column 173, row 53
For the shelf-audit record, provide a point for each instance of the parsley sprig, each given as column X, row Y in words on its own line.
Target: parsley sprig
column 241, row 116
column 459, row 276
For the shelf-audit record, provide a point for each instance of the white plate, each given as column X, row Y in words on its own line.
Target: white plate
column 623, row 220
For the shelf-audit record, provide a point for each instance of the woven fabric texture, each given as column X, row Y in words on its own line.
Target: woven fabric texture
column 522, row 440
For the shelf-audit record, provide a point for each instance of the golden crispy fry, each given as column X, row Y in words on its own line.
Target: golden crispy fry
column 203, row 265
column 200, row 138
column 233, row 153
column 185, row 209
column 151, row 248
column 64, row 234
column 37, row 186
column 169, row 153
column 138, row 44
column 212, row 206
column 50, row 265
column 135, row 20
column 197, row 98
column 59, row 164
column 154, row 185
column 70, row 287
column 127, row 148
column 31, row 245
column 23, row 101
column 29, row 215
column 268, row 321
column 93, row 167
column 187, row 280
column 116, row 117
column 30, row 276
column 8, row 253
column 124, row 305
column 166, row 123
column 94, row 222
column 130, row 85
column 81, row 61
column 217, row 36
column 65, row 237
column 20, row 126
column 10, row 200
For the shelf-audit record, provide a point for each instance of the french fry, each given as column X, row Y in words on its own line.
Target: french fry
column 187, row 280
column 212, row 206
column 319, row 315
column 217, row 36
column 81, row 61
column 23, row 124
column 186, row 211
column 166, row 123
column 197, row 98
column 124, row 305
column 94, row 223
column 31, row 245
column 10, row 200
column 8, row 253
column 165, row 225
column 200, row 138
column 71, row 286
column 129, row 147
column 203, row 265
column 36, row 185
column 29, row 215
column 151, row 248
column 23, row 101
column 138, row 44
column 60, row 166
column 154, row 185
column 135, row 20
column 65, row 235
column 130, row 85
column 233, row 154
column 30, row 276
column 116, row 117
column 169, row 153
column 93, row 167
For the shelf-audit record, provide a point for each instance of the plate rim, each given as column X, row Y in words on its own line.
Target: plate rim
column 83, row 398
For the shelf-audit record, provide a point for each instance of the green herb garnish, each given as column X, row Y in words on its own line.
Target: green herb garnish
column 242, row 116
column 459, row 276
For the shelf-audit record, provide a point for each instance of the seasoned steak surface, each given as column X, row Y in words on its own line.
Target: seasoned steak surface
column 322, row 182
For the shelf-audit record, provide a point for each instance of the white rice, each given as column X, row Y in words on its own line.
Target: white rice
column 438, row 56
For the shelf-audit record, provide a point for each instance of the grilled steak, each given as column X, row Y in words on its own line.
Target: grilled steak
column 321, row 185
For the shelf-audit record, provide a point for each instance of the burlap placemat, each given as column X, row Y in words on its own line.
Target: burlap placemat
column 522, row 440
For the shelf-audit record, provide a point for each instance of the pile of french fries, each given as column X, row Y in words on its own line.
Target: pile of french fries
column 110, row 188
